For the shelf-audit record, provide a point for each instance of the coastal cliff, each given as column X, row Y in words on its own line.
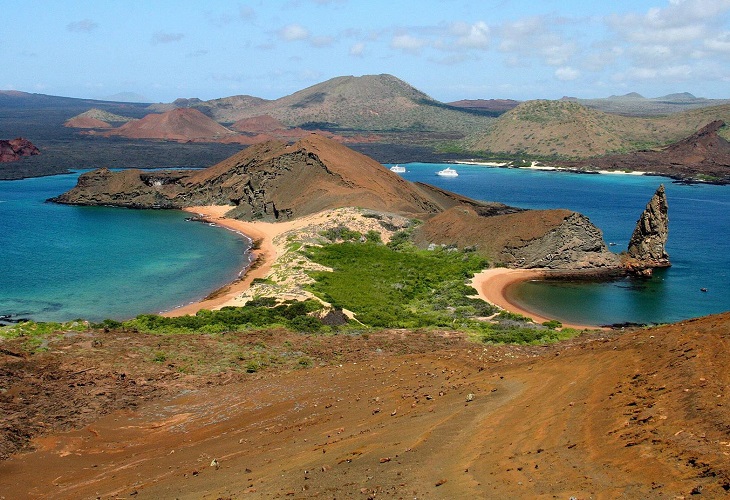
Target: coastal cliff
column 546, row 239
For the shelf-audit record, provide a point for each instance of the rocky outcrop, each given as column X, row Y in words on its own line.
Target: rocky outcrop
column 647, row 245
column 271, row 181
column 15, row 149
column 575, row 244
column 547, row 239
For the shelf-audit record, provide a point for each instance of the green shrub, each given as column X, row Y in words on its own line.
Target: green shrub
column 397, row 285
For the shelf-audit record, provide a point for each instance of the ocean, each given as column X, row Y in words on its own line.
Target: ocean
column 61, row 262
column 698, row 245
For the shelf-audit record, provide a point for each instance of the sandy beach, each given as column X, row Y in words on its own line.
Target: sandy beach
column 491, row 284
column 265, row 254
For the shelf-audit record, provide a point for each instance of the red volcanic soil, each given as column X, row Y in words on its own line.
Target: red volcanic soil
column 258, row 125
column 86, row 122
column 15, row 149
column 182, row 124
column 637, row 414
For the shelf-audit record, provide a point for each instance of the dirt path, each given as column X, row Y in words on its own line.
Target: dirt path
column 640, row 415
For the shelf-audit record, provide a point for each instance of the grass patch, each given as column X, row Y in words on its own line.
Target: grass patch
column 398, row 286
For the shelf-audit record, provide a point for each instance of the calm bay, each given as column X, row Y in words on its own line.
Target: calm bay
column 64, row 262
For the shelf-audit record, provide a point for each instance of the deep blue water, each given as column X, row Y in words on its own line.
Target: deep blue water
column 63, row 262
column 698, row 245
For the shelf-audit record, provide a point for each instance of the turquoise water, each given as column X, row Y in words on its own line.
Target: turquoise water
column 698, row 246
column 62, row 262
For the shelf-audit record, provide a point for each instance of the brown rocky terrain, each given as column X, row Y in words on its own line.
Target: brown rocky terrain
column 704, row 156
column 275, row 181
column 96, row 119
column 568, row 129
column 641, row 413
column 16, row 149
column 86, row 122
column 177, row 125
column 372, row 103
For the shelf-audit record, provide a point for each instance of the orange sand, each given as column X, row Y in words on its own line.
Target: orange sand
column 491, row 284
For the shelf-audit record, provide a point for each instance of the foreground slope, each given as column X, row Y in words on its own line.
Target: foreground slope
column 642, row 414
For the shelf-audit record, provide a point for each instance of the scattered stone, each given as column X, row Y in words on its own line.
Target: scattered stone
column 469, row 397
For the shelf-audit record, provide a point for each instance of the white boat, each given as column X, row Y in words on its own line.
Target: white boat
column 448, row 172
column 397, row 169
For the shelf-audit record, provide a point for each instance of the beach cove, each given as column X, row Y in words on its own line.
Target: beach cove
column 698, row 251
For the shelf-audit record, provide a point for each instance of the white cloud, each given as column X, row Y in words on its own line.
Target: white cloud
column 83, row 26
column 566, row 74
column 357, row 50
column 533, row 37
column 294, row 32
column 321, row 41
column 721, row 43
column 408, row 43
column 475, row 35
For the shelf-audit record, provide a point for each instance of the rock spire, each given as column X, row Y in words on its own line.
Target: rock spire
column 647, row 245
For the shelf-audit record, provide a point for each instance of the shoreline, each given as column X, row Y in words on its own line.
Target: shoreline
column 264, row 251
column 259, row 265
column 551, row 168
column 492, row 285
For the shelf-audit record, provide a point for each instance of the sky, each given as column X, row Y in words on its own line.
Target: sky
column 449, row 49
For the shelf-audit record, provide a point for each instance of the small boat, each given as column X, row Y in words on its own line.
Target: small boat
column 397, row 169
column 448, row 172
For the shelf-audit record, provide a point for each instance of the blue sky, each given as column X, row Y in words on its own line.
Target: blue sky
column 450, row 49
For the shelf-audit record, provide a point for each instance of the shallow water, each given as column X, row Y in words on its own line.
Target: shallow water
column 64, row 262
column 698, row 246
